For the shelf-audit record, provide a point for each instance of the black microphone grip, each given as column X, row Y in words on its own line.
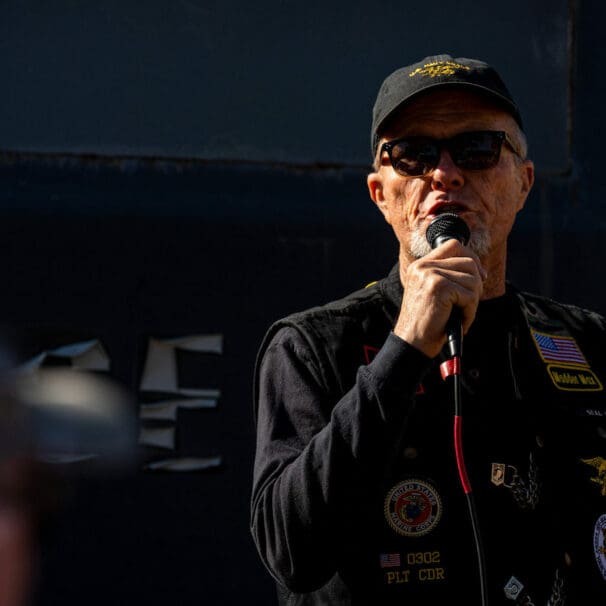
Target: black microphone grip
column 454, row 333
column 444, row 227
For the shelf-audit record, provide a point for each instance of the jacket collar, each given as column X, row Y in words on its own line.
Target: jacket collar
column 392, row 291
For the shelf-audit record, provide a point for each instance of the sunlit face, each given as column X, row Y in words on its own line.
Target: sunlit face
column 488, row 200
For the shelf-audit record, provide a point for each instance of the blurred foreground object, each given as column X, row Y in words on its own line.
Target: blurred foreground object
column 49, row 417
column 67, row 415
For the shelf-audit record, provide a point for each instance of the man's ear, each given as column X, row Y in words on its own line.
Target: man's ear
column 526, row 181
column 375, row 189
column 529, row 168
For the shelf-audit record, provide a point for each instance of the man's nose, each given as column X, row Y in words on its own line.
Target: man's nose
column 446, row 175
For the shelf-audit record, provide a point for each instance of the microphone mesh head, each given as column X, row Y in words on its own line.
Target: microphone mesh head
column 445, row 227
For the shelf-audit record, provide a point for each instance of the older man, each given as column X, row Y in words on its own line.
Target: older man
column 361, row 493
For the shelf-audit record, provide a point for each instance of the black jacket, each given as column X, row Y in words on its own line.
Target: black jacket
column 356, row 494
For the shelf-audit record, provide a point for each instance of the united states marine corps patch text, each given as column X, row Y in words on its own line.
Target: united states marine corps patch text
column 413, row 508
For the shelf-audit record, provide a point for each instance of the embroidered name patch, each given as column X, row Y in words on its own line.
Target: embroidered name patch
column 421, row 567
column 566, row 364
column 413, row 508
column 574, row 379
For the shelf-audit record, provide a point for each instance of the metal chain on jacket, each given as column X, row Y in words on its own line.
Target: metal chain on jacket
column 526, row 494
column 558, row 592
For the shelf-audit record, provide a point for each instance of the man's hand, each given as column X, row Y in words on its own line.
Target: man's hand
column 449, row 276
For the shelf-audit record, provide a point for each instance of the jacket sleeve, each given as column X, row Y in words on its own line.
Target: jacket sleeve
column 311, row 451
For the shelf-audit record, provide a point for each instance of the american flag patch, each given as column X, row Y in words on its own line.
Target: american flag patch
column 390, row 560
column 559, row 349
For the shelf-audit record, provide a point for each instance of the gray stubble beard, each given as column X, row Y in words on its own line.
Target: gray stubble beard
column 479, row 242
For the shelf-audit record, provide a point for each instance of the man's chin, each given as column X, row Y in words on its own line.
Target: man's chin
column 418, row 253
column 419, row 246
column 479, row 242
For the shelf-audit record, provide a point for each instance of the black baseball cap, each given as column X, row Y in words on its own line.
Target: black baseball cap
column 435, row 72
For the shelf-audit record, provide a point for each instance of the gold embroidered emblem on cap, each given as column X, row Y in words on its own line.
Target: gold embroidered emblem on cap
column 439, row 68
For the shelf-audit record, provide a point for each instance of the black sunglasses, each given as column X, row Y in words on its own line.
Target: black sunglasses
column 475, row 150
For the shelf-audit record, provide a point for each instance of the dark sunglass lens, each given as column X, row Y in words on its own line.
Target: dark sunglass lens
column 414, row 157
column 476, row 151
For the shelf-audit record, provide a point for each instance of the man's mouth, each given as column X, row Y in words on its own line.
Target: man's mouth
column 448, row 207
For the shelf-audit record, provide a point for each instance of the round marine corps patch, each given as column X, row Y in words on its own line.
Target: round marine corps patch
column 413, row 508
column 599, row 544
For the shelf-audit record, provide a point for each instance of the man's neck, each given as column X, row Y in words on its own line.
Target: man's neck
column 494, row 285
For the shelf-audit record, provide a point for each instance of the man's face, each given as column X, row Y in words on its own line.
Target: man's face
column 488, row 200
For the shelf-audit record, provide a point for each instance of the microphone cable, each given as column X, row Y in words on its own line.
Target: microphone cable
column 452, row 369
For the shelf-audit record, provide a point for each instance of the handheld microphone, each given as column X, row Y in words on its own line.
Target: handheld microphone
column 444, row 227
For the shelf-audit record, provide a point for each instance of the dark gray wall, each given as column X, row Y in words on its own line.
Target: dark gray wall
column 276, row 80
column 199, row 167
